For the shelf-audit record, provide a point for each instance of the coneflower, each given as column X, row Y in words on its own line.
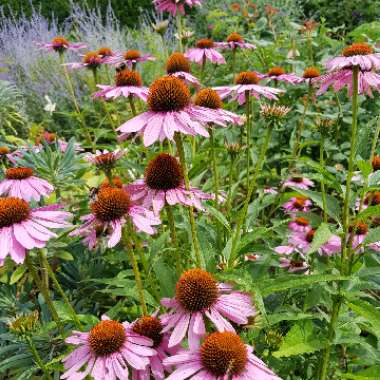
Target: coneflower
column 60, row 44
column 178, row 65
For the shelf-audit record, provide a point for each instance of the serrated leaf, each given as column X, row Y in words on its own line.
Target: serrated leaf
column 322, row 235
column 368, row 312
column 295, row 281
column 300, row 339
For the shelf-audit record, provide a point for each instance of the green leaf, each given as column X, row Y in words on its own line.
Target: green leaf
column 219, row 217
column 300, row 339
column 373, row 236
column 368, row 312
column 369, row 211
column 371, row 373
column 17, row 274
column 280, row 284
column 332, row 204
column 322, row 235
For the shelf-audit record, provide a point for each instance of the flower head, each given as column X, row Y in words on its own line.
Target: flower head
column 222, row 355
column 357, row 54
column 311, row 73
column 277, row 73
column 22, row 183
column 170, row 111
column 109, row 212
column 129, row 59
column 274, row 112
column 299, row 182
column 104, row 159
column 247, row 82
column 205, row 50
column 106, row 351
column 376, row 163
column 235, row 41
column 297, row 204
column 198, row 294
column 23, row 228
column 127, row 83
column 163, row 184
column 175, row 6
column 104, row 52
column 179, row 66
column 60, row 44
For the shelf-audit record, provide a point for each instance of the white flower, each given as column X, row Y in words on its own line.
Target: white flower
column 50, row 106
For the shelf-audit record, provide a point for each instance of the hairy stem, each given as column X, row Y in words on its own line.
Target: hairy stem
column 173, row 237
column 37, row 358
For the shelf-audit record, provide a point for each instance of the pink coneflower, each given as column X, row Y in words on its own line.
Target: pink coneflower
column 357, row 54
column 294, row 265
column 367, row 80
column 61, row 44
column 91, row 60
column 105, row 158
column 198, row 294
column 270, row 190
column 299, row 182
column 358, row 232
column 151, row 327
column 299, row 224
column 310, row 74
column 209, row 98
column 23, row 228
column 106, row 352
column 21, row 183
column 302, row 241
column 127, row 83
column 372, row 198
column 129, row 58
column 170, row 111
column 105, row 52
column 235, row 41
column 110, row 210
column 297, row 204
column 164, row 184
column 178, row 65
column 222, row 356
column 174, row 6
column 204, row 51
column 278, row 74
column 247, row 82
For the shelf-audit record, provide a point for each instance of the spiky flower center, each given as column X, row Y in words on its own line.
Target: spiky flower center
column 116, row 182
column 163, row 173
column 208, row 98
column 302, row 221
column 105, row 52
column 106, row 337
column 196, row 290
column 311, row 72
column 18, row 173
column 357, row 49
column 150, row 327
column 247, row 77
column 105, row 159
column 310, row 236
column 92, row 59
column 300, row 202
column 296, row 263
column 47, row 137
column 168, row 94
column 358, row 228
column 111, row 204
column 235, row 37
column 372, row 198
column 131, row 55
column 12, row 211
column 128, row 78
column 205, row 43
column 4, row 150
column 60, row 43
column 376, row 163
column 276, row 71
column 297, row 179
column 224, row 354
column 177, row 62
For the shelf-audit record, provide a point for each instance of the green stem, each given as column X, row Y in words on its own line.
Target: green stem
column 346, row 243
column 179, row 31
column 58, row 287
column 252, row 186
column 37, row 357
column 132, row 104
column 300, row 127
column 323, row 190
column 45, row 293
column 214, row 167
column 230, row 182
column 181, row 154
column 127, row 241
column 173, row 237
column 74, row 99
column 233, row 64
column 248, row 128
